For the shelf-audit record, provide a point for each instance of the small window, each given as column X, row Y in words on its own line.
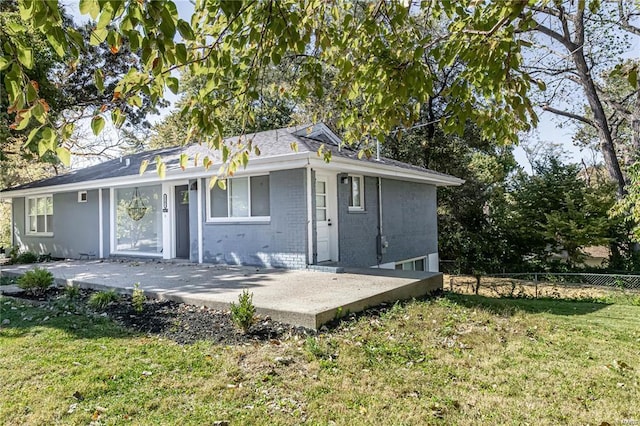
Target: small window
column 243, row 198
column 39, row 215
column 82, row 196
column 356, row 193
column 411, row 265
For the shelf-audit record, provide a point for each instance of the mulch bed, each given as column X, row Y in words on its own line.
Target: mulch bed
column 179, row 322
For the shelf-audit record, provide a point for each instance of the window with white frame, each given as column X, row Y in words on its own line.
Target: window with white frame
column 244, row 197
column 39, row 215
column 356, row 193
column 82, row 196
column 412, row 265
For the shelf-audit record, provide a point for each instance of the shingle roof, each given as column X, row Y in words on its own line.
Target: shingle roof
column 270, row 143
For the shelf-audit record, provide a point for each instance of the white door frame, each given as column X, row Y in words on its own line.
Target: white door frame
column 332, row 212
column 169, row 218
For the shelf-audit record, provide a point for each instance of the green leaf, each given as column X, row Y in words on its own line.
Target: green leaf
column 4, row 63
column 173, row 84
column 38, row 113
column 97, row 124
column 67, row 131
column 212, row 182
column 183, row 161
column 57, row 40
column 32, row 135
column 25, row 56
column 143, row 166
column 181, row 52
column 135, row 100
column 162, row 170
column 633, row 77
column 64, row 155
column 541, row 85
column 90, row 7
column 98, row 36
column 25, row 117
column 185, row 30
column 98, row 79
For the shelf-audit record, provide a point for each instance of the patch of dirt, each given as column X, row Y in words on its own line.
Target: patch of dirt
column 182, row 323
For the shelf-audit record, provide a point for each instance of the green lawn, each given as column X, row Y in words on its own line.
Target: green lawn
column 453, row 360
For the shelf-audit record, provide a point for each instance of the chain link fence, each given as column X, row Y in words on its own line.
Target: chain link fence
column 544, row 284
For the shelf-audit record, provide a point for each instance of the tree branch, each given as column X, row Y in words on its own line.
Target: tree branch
column 568, row 114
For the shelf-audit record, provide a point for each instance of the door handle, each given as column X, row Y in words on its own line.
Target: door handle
column 329, row 222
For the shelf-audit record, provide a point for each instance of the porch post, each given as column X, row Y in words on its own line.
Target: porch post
column 100, row 225
column 309, row 217
column 200, row 245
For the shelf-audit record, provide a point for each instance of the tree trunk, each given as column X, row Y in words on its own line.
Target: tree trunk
column 600, row 119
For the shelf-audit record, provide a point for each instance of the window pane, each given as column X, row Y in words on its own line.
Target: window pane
column 40, row 223
column 42, row 208
column 321, row 214
column 219, row 202
column 32, row 207
column 49, row 202
column 320, row 187
column 321, row 200
column 239, row 197
column 49, row 224
column 143, row 235
column 33, row 227
column 260, row 196
column 355, row 191
column 420, row 265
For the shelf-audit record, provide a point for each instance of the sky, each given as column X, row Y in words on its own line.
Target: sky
column 549, row 129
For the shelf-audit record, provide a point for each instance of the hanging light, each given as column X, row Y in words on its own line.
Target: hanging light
column 137, row 208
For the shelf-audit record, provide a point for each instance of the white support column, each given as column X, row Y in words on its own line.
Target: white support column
column 309, row 216
column 200, row 244
column 166, row 221
column 112, row 220
column 100, row 225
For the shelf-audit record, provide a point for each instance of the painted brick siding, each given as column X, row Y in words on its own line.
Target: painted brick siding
column 280, row 243
column 75, row 226
column 357, row 230
column 408, row 221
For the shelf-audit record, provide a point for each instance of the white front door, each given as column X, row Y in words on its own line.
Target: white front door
column 326, row 219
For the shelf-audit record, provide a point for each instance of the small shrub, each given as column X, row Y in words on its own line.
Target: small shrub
column 26, row 257
column 72, row 292
column 244, row 313
column 7, row 280
column 36, row 281
column 138, row 298
column 100, row 300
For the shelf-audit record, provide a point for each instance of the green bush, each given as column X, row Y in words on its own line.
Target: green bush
column 36, row 281
column 138, row 298
column 72, row 292
column 243, row 314
column 26, row 257
column 100, row 300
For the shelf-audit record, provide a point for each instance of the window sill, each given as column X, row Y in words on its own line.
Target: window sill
column 356, row 210
column 39, row 234
column 239, row 220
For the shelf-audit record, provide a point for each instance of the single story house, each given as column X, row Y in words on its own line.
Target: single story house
column 288, row 208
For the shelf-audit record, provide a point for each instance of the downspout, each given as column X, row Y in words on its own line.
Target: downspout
column 100, row 224
column 309, row 215
column 380, row 234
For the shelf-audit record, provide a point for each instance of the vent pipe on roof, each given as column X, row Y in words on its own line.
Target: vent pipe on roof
column 377, row 150
column 127, row 162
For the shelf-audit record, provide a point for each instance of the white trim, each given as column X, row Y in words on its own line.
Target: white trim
column 200, row 242
column 171, row 206
column 138, row 254
column 81, row 195
column 27, row 221
column 331, row 189
column 256, row 166
column 100, row 225
column 112, row 220
column 309, row 216
column 167, row 219
column 240, row 219
column 359, row 208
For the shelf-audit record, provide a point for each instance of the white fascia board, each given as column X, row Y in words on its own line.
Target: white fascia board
column 256, row 165
column 348, row 165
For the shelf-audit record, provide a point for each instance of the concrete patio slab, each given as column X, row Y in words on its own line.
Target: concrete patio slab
column 299, row 297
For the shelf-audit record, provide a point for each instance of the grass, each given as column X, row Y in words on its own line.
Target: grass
column 459, row 359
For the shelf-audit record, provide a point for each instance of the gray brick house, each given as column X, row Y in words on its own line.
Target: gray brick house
column 287, row 208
